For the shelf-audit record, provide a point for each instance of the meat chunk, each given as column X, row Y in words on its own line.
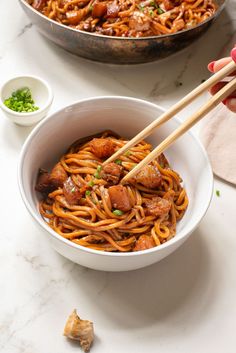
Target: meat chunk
column 102, row 148
column 99, row 9
column 157, row 206
column 80, row 330
column 113, row 10
column 111, row 172
column 139, row 21
column 120, row 198
column 74, row 17
column 39, row 4
column 149, row 177
column 144, row 242
column 58, row 175
column 168, row 4
column 44, row 184
column 71, row 192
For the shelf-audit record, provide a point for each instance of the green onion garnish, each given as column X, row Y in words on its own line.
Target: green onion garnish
column 87, row 193
column 127, row 153
column 21, row 101
column 218, row 193
column 91, row 183
column 160, row 11
column 97, row 175
column 118, row 212
column 118, row 161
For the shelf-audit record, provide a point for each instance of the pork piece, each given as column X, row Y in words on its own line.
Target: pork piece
column 71, row 192
column 44, row 184
column 39, row 4
column 80, row 330
column 99, row 9
column 112, row 10
column 58, row 175
column 119, row 198
column 74, row 17
column 149, row 176
column 112, row 173
column 139, row 21
column 102, row 148
column 168, row 4
column 157, row 206
column 144, row 242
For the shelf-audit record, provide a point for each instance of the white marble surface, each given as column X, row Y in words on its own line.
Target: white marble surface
column 186, row 303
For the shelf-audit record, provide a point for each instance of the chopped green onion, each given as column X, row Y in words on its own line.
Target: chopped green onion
column 91, row 183
column 90, row 8
column 127, row 153
column 151, row 13
column 218, row 193
column 118, row 212
column 87, row 193
column 73, row 189
column 97, row 175
column 21, row 101
column 141, row 8
column 160, row 11
column 118, row 161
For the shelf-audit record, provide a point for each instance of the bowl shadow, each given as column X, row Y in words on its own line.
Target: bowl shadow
column 141, row 298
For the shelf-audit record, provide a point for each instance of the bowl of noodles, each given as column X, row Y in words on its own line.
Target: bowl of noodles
column 79, row 202
column 122, row 31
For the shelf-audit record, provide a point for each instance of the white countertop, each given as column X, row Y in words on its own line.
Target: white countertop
column 186, row 302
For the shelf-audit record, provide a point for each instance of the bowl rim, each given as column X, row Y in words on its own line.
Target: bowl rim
column 30, row 114
column 181, row 235
column 209, row 19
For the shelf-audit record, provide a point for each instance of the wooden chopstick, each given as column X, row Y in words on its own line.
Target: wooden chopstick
column 185, row 126
column 224, row 72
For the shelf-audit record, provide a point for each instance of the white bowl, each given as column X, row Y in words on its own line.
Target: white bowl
column 126, row 116
column 41, row 93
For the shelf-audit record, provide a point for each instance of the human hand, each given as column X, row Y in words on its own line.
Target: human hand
column 215, row 66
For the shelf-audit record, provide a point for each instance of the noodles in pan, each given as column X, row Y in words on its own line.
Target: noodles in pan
column 127, row 18
column 84, row 201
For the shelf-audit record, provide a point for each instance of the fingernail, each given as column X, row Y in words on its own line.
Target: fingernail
column 233, row 54
column 211, row 66
column 232, row 100
column 231, row 104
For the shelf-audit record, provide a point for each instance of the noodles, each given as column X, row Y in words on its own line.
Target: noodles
column 127, row 18
column 85, row 203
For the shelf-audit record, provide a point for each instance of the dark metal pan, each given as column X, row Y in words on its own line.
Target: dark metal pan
column 116, row 50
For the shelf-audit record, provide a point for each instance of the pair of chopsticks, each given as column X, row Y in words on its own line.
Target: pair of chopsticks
column 186, row 125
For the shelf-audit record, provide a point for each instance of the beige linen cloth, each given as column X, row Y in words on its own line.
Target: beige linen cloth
column 218, row 134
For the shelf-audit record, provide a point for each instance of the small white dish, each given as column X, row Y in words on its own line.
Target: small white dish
column 41, row 94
